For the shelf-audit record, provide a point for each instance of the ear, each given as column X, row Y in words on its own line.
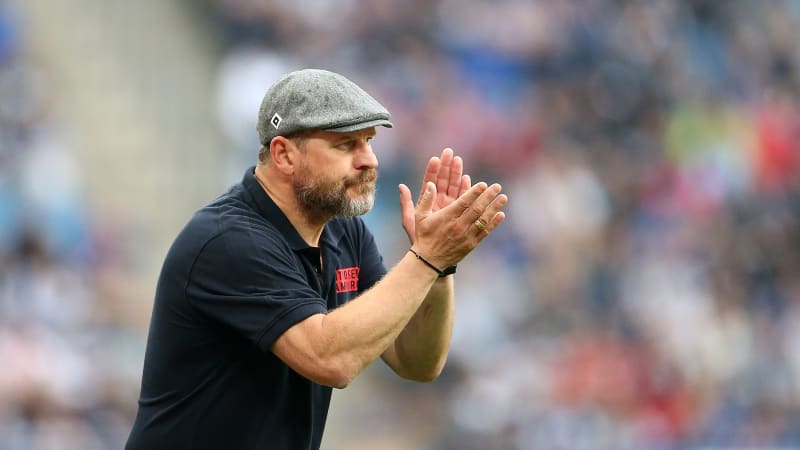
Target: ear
column 283, row 154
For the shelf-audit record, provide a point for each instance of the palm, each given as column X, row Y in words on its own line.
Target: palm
column 444, row 194
column 446, row 172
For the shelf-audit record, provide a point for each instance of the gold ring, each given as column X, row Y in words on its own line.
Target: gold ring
column 479, row 225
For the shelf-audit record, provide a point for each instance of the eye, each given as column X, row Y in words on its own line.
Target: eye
column 347, row 145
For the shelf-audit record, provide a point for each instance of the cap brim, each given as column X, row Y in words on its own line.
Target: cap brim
column 361, row 126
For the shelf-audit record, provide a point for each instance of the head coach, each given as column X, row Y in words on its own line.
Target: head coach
column 275, row 292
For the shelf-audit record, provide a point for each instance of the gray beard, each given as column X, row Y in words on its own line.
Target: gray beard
column 321, row 200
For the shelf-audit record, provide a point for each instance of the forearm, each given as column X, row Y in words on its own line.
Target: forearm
column 420, row 351
column 333, row 348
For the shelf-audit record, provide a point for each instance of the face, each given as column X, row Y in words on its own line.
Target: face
column 337, row 175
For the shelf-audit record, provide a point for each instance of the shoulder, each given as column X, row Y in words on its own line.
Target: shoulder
column 229, row 226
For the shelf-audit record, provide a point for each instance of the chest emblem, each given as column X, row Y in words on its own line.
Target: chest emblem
column 347, row 279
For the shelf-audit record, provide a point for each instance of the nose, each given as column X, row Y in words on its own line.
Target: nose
column 365, row 158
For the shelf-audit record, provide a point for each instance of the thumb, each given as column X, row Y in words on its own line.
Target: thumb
column 425, row 206
column 405, row 198
column 407, row 211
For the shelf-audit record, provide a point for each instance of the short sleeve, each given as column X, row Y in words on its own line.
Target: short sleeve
column 252, row 282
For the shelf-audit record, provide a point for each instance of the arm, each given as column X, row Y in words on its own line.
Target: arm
column 420, row 351
column 333, row 348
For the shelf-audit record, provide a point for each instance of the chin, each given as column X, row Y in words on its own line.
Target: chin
column 361, row 196
column 360, row 206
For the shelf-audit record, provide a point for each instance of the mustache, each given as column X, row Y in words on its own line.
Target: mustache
column 368, row 176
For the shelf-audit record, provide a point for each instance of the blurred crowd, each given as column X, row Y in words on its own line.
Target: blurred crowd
column 644, row 292
column 66, row 378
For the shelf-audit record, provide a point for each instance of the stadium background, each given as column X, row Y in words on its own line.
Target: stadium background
column 644, row 292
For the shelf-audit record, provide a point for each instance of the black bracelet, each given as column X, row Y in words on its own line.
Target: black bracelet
column 442, row 273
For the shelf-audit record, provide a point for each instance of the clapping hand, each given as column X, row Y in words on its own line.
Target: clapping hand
column 446, row 172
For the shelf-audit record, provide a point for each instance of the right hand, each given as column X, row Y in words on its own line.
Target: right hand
column 446, row 172
column 445, row 236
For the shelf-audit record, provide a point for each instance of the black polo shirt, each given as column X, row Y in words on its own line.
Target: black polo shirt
column 236, row 277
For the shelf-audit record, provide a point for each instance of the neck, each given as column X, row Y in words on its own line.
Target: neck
column 309, row 227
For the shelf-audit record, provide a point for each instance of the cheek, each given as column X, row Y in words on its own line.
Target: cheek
column 344, row 167
column 334, row 165
column 336, row 169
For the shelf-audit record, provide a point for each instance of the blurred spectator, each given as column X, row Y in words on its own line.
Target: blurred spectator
column 667, row 220
column 644, row 293
column 58, row 388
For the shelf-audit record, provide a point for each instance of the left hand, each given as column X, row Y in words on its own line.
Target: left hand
column 446, row 172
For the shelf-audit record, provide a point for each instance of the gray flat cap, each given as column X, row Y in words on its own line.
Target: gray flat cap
column 317, row 99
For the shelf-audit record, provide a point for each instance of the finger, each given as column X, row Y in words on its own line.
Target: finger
column 465, row 200
column 477, row 207
column 407, row 211
column 493, row 223
column 487, row 221
column 454, row 184
column 445, row 169
column 425, row 205
column 466, row 183
column 431, row 174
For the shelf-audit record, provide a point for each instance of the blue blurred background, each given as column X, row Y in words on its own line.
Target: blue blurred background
column 644, row 292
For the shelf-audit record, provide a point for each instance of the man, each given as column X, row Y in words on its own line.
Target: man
column 275, row 292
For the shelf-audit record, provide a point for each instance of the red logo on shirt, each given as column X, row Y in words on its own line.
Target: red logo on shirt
column 347, row 279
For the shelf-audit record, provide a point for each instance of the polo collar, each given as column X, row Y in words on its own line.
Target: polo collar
column 273, row 214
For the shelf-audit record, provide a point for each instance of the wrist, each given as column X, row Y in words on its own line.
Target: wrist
column 447, row 271
column 442, row 273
